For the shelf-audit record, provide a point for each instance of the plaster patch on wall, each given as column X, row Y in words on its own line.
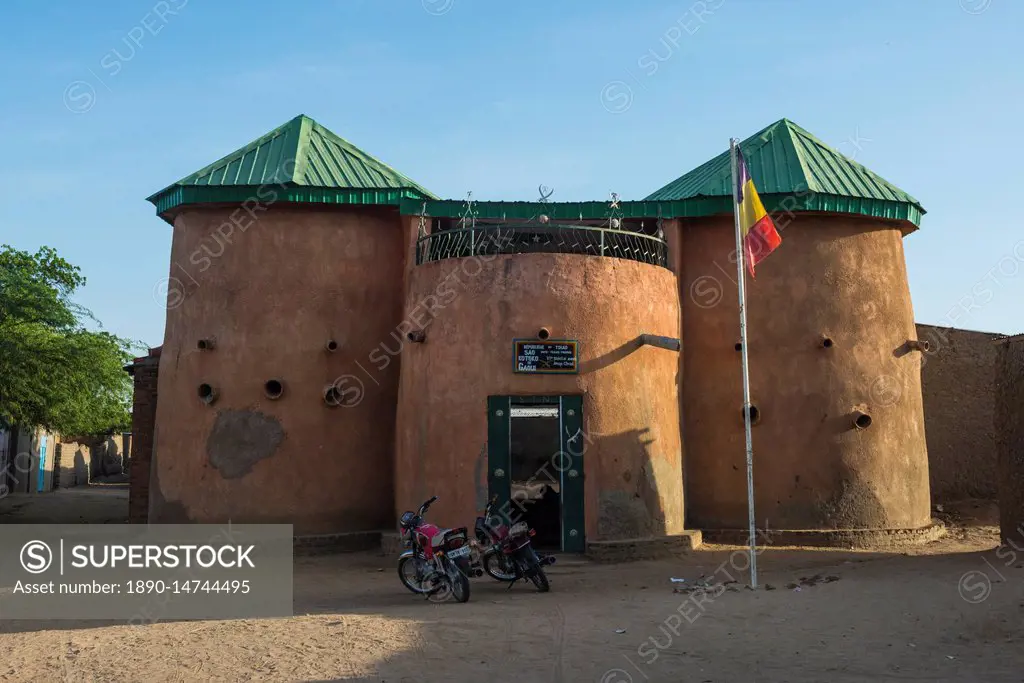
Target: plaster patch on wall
column 241, row 438
column 622, row 515
column 856, row 502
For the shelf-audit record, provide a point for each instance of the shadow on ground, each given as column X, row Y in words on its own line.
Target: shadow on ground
column 92, row 504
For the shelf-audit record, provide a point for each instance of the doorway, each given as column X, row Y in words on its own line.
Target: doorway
column 535, row 464
column 533, row 452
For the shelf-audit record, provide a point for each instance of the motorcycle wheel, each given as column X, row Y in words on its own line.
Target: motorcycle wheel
column 459, row 584
column 407, row 575
column 540, row 579
column 494, row 569
column 536, row 572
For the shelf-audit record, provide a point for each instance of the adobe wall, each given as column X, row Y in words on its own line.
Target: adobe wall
column 73, row 464
column 837, row 276
column 86, row 458
column 957, row 377
column 272, row 292
column 1010, row 429
column 474, row 307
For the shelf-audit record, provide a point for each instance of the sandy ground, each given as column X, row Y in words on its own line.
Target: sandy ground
column 93, row 504
column 948, row 611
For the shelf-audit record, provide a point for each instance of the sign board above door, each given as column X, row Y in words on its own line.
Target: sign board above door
column 548, row 357
column 534, row 411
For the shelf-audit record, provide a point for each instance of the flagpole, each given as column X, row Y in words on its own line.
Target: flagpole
column 741, row 282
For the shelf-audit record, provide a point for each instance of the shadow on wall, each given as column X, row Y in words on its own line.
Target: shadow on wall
column 609, row 358
column 107, row 455
column 80, row 469
column 632, row 508
column 626, row 473
column 85, row 458
column 625, row 349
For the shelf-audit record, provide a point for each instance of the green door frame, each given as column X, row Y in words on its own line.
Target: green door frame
column 568, row 464
column 571, row 472
column 499, row 453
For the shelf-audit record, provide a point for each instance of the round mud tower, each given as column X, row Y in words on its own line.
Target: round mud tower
column 630, row 434
column 269, row 449
column 840, row 443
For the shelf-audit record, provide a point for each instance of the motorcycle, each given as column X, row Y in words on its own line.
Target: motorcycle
column 508, row 553
column 435, row 560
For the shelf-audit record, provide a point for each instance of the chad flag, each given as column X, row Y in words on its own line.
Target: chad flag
column 757, row 229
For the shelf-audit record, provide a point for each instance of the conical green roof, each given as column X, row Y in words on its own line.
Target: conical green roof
column 784, row 159
column 306, row 160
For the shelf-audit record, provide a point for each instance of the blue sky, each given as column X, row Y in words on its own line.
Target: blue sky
column 584, row 96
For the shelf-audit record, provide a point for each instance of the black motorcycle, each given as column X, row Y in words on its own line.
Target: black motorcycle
column 507, row 552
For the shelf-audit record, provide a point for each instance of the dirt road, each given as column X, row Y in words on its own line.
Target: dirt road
column 950, row 611
column 92, row 504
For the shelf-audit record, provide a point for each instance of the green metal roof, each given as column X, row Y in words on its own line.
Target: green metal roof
column 307, row 163
column 303, row 159
column 793, row 171
column 786, row 160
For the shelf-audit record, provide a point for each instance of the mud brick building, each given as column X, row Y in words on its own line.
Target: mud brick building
column 341, row 344
column 1010, row 434
column 144, row 373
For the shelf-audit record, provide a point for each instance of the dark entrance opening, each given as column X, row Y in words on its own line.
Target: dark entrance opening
column 535, row 478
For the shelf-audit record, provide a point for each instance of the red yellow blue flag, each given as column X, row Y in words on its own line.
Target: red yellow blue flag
column 760, row 237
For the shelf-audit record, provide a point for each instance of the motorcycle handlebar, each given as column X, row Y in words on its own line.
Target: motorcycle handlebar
column 490, row 504
column 423, row 508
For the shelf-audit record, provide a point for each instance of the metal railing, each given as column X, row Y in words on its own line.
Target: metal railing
column 541, row 238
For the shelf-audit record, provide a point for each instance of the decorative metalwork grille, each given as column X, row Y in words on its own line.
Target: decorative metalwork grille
column 536, row 237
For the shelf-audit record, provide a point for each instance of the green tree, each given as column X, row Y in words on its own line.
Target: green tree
column 54, row 371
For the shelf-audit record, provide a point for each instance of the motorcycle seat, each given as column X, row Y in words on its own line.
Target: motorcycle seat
column 442, row 534
column 438, row 540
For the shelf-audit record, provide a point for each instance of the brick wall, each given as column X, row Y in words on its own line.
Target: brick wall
column 957, row 377
column 1009, row 426
column 144, row 370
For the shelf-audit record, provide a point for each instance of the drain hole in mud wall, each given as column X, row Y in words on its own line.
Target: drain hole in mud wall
column 332, row 396
column 206, row 393
column 273, row 388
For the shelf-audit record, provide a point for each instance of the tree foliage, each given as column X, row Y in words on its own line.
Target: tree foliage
column 54, row 371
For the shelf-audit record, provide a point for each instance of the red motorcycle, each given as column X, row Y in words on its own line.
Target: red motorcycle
column 436, row 561
column 508, row 553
